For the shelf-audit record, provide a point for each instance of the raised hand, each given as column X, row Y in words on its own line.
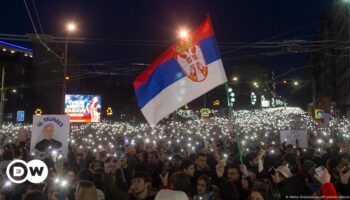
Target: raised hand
column 324, row 177
column 244, row 170
column 164, row 178
column 344, row 177
column 261, row 154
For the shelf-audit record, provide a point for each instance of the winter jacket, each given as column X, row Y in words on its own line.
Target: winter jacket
column 329, row 192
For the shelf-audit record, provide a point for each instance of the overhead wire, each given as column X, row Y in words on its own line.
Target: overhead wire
column 273, row 37
column 37, row 35
column 37, row 16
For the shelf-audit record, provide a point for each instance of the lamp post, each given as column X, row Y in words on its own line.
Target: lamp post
column 2, row 97
column 71, row 27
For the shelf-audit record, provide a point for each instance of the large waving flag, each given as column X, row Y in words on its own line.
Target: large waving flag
column 185, row 71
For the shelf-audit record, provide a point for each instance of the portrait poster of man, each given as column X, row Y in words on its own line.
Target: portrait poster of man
column 49, row 135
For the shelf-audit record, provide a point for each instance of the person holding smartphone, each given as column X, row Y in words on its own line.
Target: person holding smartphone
column 327, row 188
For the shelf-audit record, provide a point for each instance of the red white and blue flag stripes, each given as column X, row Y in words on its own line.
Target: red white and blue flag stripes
column 185, row 71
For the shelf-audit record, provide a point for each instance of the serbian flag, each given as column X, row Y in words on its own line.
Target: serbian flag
column 185, row 71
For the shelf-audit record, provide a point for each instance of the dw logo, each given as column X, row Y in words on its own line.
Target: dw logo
column 35, row 171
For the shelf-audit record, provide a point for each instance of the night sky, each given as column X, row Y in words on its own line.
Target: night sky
column 155, row 22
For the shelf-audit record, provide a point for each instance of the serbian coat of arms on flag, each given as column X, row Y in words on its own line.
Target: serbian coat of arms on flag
column 185, row 71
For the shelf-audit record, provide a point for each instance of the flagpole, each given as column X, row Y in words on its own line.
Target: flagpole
column 230, row 116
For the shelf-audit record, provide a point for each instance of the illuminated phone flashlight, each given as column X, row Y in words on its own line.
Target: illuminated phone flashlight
column 170, row 158
column 331, row 141
column 225, row 155
column 147, row 140
column 272, row 151
column 64, row 183
column 57, row 180
column 8, row 184
column 54, row 153
column 273, row 142
column 319, row 141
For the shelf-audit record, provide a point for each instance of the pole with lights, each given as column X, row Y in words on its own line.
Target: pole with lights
column 230, row 100
column 2, row 97
column 71, row 27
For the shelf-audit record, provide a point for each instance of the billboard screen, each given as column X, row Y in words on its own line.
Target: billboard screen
column 83, row 108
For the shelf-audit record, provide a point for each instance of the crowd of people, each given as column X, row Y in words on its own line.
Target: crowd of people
column 218, row 158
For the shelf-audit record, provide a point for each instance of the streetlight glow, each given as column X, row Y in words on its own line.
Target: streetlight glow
column 296, row 83
column 71, row 27
column 183, row 33
column 235, row 78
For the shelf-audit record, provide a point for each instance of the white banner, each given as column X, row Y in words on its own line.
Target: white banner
column 50, row 136
column 291, row 136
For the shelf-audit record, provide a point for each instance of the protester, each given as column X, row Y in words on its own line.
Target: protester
column 86, row 190
column 189, row 162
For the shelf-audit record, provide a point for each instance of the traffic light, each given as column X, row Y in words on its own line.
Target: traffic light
column 253, row 98
column 231, row 97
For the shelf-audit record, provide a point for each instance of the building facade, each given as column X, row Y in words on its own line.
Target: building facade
column 15, row 61
column 331, row 64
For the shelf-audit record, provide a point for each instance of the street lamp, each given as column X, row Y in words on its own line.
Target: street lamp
column 296, row 83
column 71, row 27
column 183, row 33
column 256, row 84
column 235, row 78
